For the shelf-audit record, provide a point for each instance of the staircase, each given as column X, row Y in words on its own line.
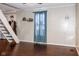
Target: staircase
column 6, row 29
column 5, row 32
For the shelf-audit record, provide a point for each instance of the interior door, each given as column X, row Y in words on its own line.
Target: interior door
column 40, row 26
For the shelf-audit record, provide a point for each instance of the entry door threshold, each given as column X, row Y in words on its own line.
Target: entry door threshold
column 40, row 43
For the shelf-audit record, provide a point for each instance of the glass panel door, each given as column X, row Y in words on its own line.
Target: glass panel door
column 40, row 27
column 36, row 28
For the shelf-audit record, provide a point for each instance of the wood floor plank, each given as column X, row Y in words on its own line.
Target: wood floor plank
column 31, row 49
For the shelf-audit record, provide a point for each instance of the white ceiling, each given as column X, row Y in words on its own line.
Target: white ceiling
column 36, row 5
column 20, row 6
column 6, row 8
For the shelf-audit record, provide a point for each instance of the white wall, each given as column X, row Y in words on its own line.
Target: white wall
column 25, row 29
column 60, row 26
column 60, row 30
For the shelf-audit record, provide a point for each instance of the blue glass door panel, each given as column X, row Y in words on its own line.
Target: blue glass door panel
column 40, row 26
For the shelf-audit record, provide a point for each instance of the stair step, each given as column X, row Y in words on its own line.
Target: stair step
column 4, row 32
column 10, row 38
column 0, row 21
column 1, row 25
column 3, row 29
column 7, row 35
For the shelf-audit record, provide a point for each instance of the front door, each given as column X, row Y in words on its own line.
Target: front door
column 40, row 26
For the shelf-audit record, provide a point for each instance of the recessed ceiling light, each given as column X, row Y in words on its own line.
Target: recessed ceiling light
column 40, row 3
column 24, row 3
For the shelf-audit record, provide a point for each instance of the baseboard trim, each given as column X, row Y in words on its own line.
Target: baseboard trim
column 47, row 43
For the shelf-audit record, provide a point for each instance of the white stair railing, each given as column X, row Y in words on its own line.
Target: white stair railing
column 8, row 27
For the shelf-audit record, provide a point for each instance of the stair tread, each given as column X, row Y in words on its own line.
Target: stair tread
column 7, row 34
column 1, row 25
column 4, row 32
column 2, row 28
column 9, row 37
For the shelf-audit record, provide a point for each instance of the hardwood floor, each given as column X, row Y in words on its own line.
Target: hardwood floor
column 30, row 49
